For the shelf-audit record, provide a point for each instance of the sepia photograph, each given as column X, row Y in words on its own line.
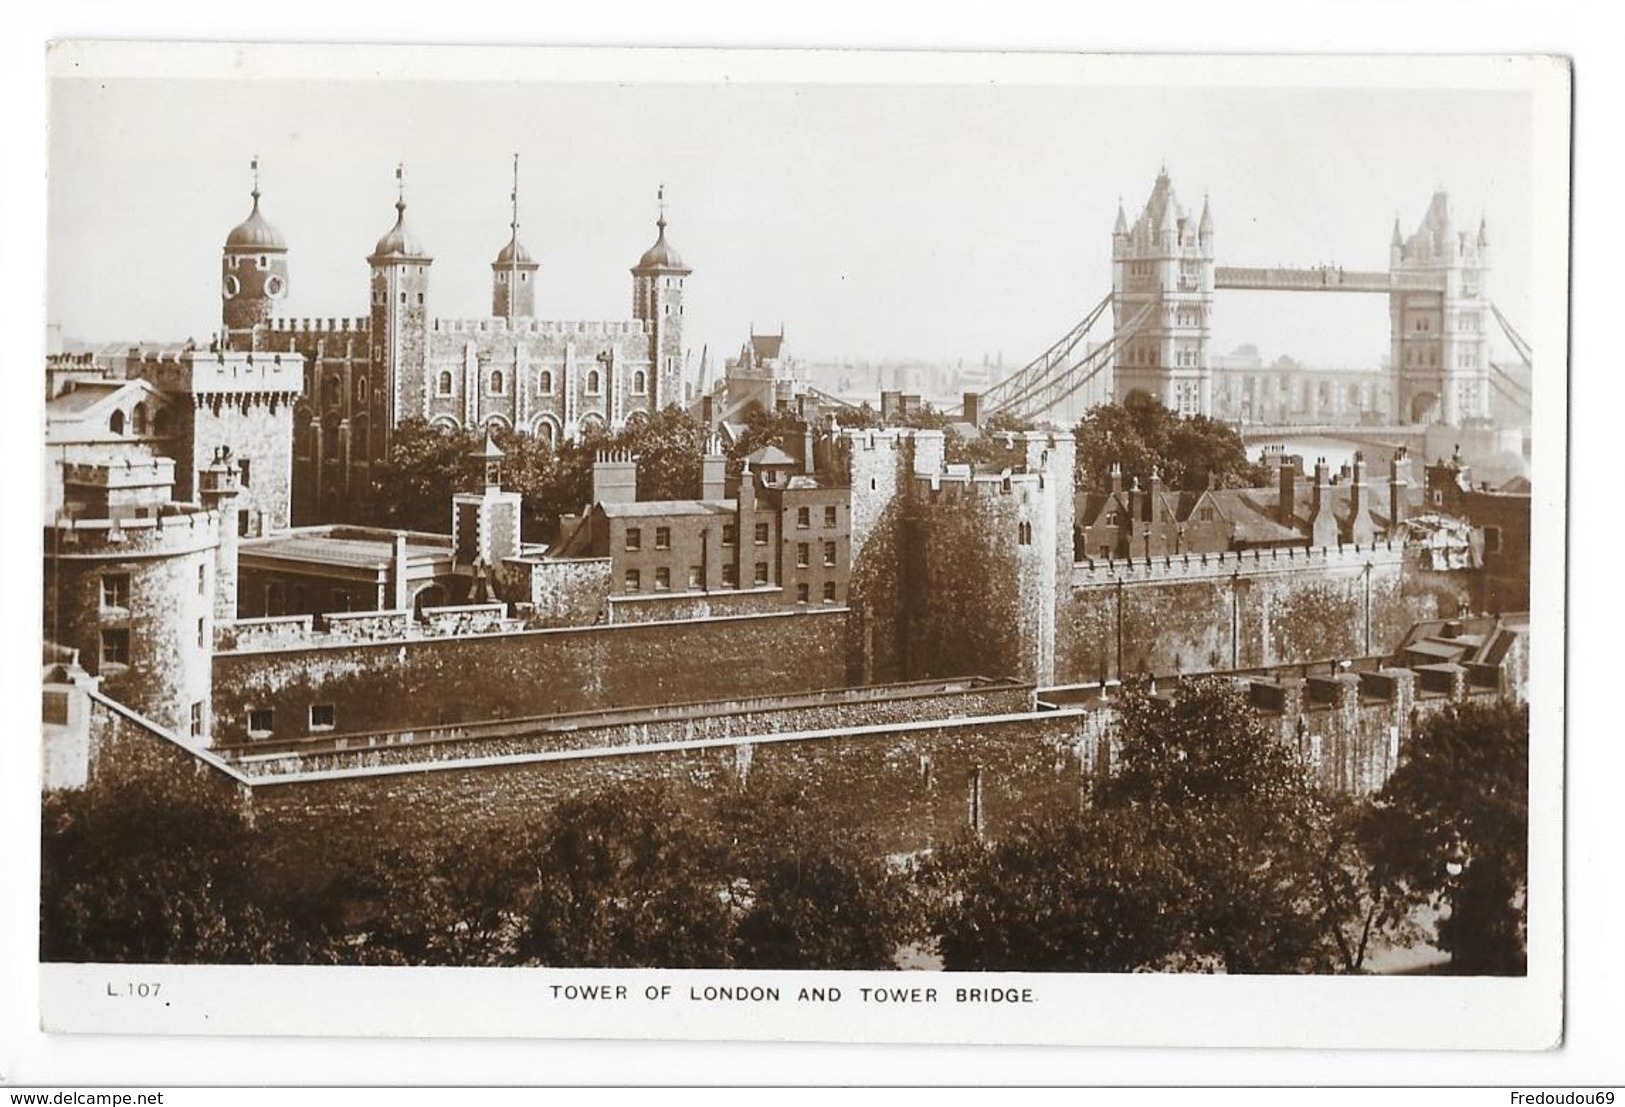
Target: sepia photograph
column 740, row 544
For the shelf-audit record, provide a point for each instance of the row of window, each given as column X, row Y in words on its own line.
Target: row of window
column 633, row 580
column 162, row 424
column 262, row 720
column 762, row 533
column 497, row 383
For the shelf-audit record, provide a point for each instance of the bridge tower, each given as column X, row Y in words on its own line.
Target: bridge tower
column 1165, row 261
column 1439, row 316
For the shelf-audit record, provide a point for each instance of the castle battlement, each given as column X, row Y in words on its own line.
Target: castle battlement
column 230, row 372
column 359, row 326
column 872, row 439
column 186, row 530
column 126, row 472
column 1098, row 572
column 951, row 486
column 500, row 325
column 281, row 632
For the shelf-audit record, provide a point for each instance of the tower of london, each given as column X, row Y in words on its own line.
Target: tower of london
column 512, row 369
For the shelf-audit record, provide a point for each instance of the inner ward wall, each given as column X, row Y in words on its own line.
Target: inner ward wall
column 423, row 682
column 1192, row 615
column 911, row 787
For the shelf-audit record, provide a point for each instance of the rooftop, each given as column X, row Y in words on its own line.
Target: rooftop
column 648, row 509
column 345, row 547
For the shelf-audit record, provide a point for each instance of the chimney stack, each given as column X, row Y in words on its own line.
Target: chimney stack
column 1396, row 492
column 1116, row 477
column 1287, row 476
column 1362, row 531
column 615, row 477
column 1322, row 519
column 713, row 471
column 1155, row 495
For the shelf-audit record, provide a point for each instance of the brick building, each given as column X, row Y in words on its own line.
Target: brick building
column 782, row 537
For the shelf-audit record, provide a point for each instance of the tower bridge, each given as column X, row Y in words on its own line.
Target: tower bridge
column 1164, row 276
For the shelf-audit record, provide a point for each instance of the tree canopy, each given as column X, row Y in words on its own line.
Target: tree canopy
column 412, row 488
column 1208, row 848
column 1140, row 434
column 1451, row 827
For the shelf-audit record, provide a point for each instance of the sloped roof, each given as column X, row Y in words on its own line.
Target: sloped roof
column 770, row 457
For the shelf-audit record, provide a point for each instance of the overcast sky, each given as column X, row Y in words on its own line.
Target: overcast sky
column 943, row 220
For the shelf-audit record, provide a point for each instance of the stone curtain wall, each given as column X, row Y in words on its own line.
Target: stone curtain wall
column 914, row 786
column 700, row 722
column 1194, row 615
column 423, row 682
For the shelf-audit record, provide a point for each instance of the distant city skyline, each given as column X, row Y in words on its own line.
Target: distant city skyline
column 934, row 222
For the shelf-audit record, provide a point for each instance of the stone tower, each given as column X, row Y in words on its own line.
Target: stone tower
column 131, row 584
column 1439, row 317
column 400, row 315
column 513, row 273
column 253, row 276
column 1163, row 264
column 657, row 299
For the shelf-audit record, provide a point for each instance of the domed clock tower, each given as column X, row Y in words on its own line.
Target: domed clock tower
column 253, row 276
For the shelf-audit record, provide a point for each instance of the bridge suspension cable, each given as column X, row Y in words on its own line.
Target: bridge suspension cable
column 1526, row 352
column 1063, row 386
column 1036, row 372
column 1056, row 375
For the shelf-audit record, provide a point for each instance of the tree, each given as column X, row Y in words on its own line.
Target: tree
column 1451, row 827
column 1209, row 847
column 807, row 895
column 668, row 445
column 130, row 876
column 1068, row 893
column 624, row 878
column 1141, row 434
column 428, row 464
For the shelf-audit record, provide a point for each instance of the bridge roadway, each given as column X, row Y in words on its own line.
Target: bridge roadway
column 1323, row 278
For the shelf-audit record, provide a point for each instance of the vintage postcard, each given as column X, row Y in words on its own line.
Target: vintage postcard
column 804, row 546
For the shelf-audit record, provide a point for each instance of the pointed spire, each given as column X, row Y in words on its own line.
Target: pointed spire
column 1483, row 232
column 1121, row 226
column 398, row 242
column 1205, row 227
column 254, row 166
column 1398, row 238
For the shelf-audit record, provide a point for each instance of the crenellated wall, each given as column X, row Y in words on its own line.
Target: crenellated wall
column 1196, row 613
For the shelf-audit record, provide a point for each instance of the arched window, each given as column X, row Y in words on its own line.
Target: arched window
column 333, row 393
column 544, row 383
column 443, row 385
column 115, row 422
column 640, row 382
column 496, row 383
column 162, row 423
column 330, row 436
column 592, row 381
column 138, row 419
column 361, row 390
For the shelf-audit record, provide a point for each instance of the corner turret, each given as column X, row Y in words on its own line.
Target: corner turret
column 253, row 275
